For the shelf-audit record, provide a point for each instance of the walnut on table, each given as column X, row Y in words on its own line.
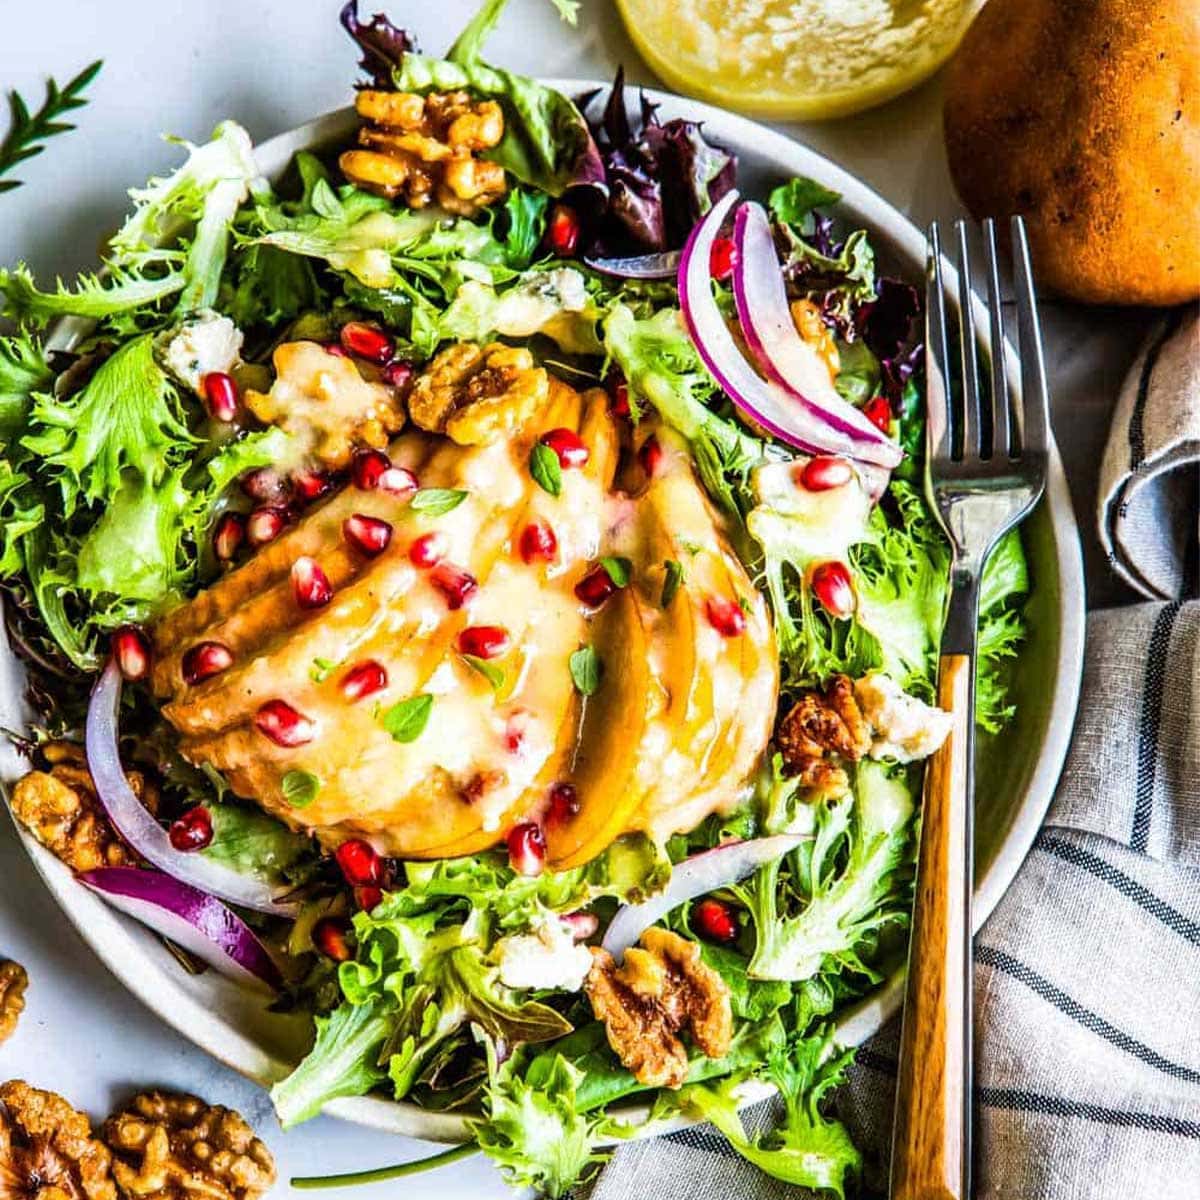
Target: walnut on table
column 422, row 149
column 477, row 394
column 13, row 982
column 47, row 1151
column 172, row 1147
column 661, row 990
column 820, row 729
column 61, row 809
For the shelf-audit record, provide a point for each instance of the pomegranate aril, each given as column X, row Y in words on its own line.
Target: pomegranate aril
column 311, row 485
column 361, row 866
column 220, row 395
column 562, row 230
column 280, row 722
column 572, row 451
column 515, row 730
column 454, row 583
column 357, row 337
column 228, row 534
column 365, row 679
column 310, row 584
column 367, row 898
column 336, row 350
column 595, row 587
column 833, row 587
column 721, row 258
column 264, row 484
column 879, row 412
column 329, row 936
column 398, row 481
column 619, row 398
column 483, row 641
column 564, row 803
column 368, row 467
column 428, row 550
column 582, row 924
column 538, row 542
column 370, row 535
column 193, row 830
column 725, row 616
column 131, row 648
column 823, row 473
column 716, row 921
column 204, row 660
column 264, row 525
column 526, row 848
column 651, row 456
column 398, row 373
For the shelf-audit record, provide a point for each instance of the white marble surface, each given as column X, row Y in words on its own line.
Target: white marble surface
column 180, row 67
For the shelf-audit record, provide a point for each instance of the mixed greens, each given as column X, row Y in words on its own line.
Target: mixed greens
column 114, row 476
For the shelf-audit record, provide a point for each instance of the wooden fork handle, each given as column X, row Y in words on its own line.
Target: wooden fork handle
column 931, row 1147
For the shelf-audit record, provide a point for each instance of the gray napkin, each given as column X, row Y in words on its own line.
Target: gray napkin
column 1087, row 975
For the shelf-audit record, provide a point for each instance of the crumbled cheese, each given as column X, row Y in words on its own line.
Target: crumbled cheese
column 205, row 342
column 906, row 729
column 549, row 957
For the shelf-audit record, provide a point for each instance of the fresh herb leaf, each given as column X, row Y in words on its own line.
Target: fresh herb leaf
column 525, row 222
column 792, row 202
column 406, row 720
column 28, row 131
column 492, row 673
column 546, row 469
column 436, row 502
column 672, row 581
column 321, row 669
column 300, row 788
column 587, row 670
column 618, row 569
column 324, row 201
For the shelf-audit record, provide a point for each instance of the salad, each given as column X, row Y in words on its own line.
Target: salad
column 478, row 590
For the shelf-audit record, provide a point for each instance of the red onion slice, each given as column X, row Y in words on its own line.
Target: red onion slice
column 768, row 405
column 770, row 332
column 642, row 266
column 199, row 923
column 696, row 876
column 138, row 826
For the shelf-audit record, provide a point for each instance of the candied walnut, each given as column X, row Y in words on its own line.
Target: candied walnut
column 477, row 394
column 47, row 1151
column 168, row 1146
column 660, row 990
column 13, row 982
column 423, row 149
column 821, row 728
column 326, row 405
column 812, row 328
column 60, row 808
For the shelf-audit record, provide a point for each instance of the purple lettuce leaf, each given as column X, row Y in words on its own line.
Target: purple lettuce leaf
column 382, row 44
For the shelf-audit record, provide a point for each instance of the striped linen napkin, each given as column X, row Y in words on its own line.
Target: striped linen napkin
column 1087, row 975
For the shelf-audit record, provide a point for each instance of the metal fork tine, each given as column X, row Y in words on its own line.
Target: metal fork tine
column 1001, row 416
column 939, row 428
column 1035, row 397
column 968, row 352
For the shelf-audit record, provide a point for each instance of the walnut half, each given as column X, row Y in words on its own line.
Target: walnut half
column 13, row 982
column 60, row 808
column 47, row 1151
column 170, row 1147
column 661, row 990
column 820, row 728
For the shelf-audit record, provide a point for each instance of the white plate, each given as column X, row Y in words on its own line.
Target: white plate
column 1014, row 787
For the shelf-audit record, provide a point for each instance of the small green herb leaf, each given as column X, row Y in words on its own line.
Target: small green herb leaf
column 406, row 721
column 325, row 202
column 546, row 469
column 321, row 669
column 618, row 570
column 492, row 673
column 435, row 502
column 672, row 582
column 586, row 670
column 300, row 788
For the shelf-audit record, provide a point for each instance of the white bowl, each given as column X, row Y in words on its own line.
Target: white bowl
column 1014, row 785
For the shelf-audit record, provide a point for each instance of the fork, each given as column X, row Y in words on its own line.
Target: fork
column 982, row 477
